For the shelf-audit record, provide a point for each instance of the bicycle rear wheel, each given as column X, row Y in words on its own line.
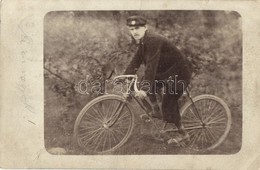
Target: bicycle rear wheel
column 207, row 121
column 104, row 124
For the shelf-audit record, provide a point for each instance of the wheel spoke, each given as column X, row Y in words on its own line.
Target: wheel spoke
column 194, row 115
column 191, row 116
column 122, row 118
column 89, row 139
column 207, row 107
column 93, row 136
column 193, row 132
column 104, row 111
column 220, row 108
column 203, row 109
column 212, row 117
column 209, row 110
column 217, row 125
column 93, row 117
column 99, row 140
column 105, row 140
column 190, row 122
column 109, row 138
column 204, row 140
column 214, row 109
column 98, row 114
column 211, row 134
column 113, row 111
column 219, row 121
column 217, row 129
column 198, row 111
column 217, row 118
column 116, row 115
column 208, row 138
column 120, row 135
column 199, row 134
column 90, row 133
column 201, row 139
column 115, row 137
column 87, row 128
column 89, row 122
column 195, row 125
column 194, row 140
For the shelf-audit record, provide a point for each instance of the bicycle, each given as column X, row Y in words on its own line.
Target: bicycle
column 107, row 122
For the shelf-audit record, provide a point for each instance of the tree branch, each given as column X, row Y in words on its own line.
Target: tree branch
column 58, row 76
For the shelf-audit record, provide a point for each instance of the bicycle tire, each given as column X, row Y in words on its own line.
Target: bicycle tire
column 213, row 123
column 86, row 112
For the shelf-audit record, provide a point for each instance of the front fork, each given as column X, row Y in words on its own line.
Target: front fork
column 116, row 114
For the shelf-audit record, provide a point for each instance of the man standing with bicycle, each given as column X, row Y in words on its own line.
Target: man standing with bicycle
column 164, row 63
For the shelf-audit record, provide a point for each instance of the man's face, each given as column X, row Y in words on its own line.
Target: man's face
column 137, row 31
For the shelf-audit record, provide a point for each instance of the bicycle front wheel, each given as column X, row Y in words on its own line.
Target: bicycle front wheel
column 207, row 120
column 104, row 124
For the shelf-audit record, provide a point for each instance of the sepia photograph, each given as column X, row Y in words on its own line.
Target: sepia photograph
column 133, row 84
column 143, row 82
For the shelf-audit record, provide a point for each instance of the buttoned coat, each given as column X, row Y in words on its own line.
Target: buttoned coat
column 161, row 59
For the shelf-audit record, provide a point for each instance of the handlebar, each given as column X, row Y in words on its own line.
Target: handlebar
column 133, row 81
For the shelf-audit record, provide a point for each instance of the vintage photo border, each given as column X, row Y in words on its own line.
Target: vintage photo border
column 22, row 105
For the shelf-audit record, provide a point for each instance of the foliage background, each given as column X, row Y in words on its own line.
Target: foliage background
column 81, row 43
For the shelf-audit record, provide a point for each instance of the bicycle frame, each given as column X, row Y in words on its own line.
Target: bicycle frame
column 134, row 82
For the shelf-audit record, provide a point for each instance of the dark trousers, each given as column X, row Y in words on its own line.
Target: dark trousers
column 171, row 94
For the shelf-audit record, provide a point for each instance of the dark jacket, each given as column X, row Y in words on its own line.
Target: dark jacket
column 161, row 58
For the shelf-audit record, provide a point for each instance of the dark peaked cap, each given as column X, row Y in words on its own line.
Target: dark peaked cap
column 135, row 21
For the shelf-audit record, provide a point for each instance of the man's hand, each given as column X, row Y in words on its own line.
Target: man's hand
column 140, row 94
